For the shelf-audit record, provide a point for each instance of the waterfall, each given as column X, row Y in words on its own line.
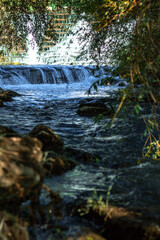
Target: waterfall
column 49, row 74
column 67, row 50
column 32, row 53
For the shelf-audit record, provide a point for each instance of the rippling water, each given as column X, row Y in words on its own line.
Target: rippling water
column 119, row 147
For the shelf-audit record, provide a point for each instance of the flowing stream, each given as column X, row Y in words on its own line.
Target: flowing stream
column 50, row 96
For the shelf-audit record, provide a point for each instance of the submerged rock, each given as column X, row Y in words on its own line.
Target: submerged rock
column 80, row 156
column 50, row 140
column 57, row 165
column 94, row 108
column 12, row 228
column 21, row 171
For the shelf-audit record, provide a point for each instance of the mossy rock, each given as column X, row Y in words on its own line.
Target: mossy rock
column 57, row 165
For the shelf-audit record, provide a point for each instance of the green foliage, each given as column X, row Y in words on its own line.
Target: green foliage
column 151, row 147
column 134, row 31
column 14, row 17
column 97, row 204
column 133, row 28
column 137, row 109
column 153, row 150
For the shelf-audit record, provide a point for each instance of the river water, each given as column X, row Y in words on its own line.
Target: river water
column 135, row 182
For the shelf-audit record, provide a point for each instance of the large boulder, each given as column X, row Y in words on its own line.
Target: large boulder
column 21, row 171
column 50, row 140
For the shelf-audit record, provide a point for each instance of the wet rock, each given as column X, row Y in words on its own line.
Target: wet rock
column 7, row 132
column 91, row 111
column 57, row 165
column 80, row 156
column 94, row 108
column 50, row 140
column 84, row 101
column 12, row 93
column 21, row 171
column 5, row 97
column 11, row 228
column 1, row 103
column 94, row 103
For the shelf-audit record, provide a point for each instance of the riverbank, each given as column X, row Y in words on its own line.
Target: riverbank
column 85, row 216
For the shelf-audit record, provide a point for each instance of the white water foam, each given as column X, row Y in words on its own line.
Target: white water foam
column 32, row 53
column 66, row 51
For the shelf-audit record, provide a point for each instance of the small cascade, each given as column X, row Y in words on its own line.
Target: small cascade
column 83, row 74
column 68, row 74
column 43, row 76
column 48, row 74
column 11, row 77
